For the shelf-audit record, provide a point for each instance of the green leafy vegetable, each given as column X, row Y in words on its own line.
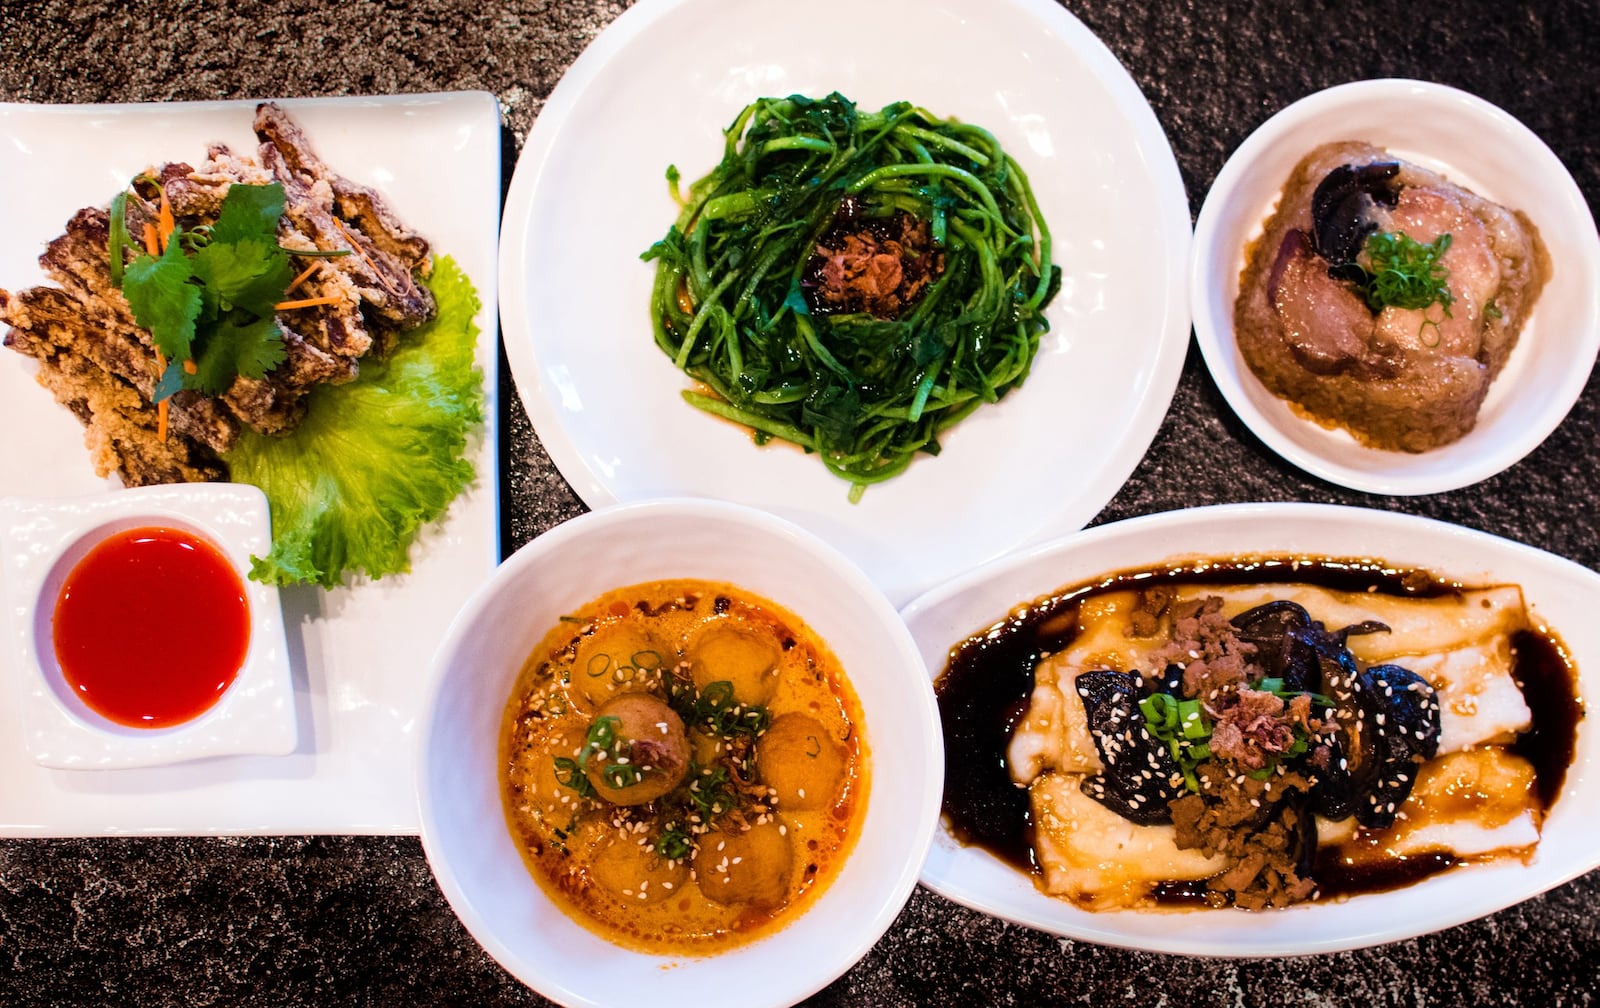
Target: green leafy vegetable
column 1404, row 273
column 164, row 300
column 209, row 296
column 866, row 393
column 674, row 843
column 375, row 459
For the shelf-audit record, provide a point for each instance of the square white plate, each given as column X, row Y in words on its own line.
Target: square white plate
column 45, row 539
column 359, row 653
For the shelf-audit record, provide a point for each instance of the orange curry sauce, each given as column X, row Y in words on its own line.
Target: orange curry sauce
column 683, row 766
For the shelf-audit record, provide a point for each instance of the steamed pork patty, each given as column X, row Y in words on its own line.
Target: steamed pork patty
column 1384, row 299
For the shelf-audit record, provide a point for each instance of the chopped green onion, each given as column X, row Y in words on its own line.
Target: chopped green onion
column 117, row 239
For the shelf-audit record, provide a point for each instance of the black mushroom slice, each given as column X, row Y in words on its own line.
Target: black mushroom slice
column 1352, row 766
column 1402, row 725
column 1287, row 641
column 1303, row 833
column 1341, row 783
column 1140, row 775
column 1341, row 213
column 1292, row 646
column 1345, row 769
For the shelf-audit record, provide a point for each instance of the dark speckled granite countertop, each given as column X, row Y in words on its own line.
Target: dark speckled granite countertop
column 358, row 920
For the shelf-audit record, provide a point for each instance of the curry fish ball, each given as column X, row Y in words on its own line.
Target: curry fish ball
column 629, row 869
column 744, row 657
column 751, row 866
column 798, row 759
column 648, row 739
column 616, row 658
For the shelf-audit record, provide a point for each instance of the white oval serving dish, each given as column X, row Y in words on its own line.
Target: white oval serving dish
column 1559, row 594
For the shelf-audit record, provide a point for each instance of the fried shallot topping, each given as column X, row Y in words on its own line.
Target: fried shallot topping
column 877, row 265
column 1254, row 727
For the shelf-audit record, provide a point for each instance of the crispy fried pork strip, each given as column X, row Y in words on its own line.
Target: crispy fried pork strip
column 96, row 360
column 337, row 213
column 355, row 202
column 119, row 422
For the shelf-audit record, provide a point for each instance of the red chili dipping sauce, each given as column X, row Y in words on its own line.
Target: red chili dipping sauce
column 151, row 627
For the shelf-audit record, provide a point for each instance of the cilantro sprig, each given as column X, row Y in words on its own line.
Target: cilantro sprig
column 209, row 297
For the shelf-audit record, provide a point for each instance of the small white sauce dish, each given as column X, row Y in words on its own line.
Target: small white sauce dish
column 464, row 830
column 42, row 540
column 1474, row 144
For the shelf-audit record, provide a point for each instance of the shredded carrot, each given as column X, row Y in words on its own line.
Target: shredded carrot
column 307, row 302
column 189, row 367
column 152, row 244
column 165, row 218
column 297, row 281
column 360, row 252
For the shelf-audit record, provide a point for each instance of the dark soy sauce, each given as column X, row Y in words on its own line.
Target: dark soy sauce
column 984, row 692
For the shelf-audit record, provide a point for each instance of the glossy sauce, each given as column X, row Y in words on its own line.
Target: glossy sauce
column 151, row 627
column 983, row 694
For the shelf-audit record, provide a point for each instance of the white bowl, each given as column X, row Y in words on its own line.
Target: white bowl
column 1558, row 592
column 464, row 830
column 1474, row 144
column 42, row 539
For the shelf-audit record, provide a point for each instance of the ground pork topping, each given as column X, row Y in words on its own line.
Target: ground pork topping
column 1208, row 649
column 1254, row 823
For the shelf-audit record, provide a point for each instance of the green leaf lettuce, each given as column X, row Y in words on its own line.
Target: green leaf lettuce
column 376, row 459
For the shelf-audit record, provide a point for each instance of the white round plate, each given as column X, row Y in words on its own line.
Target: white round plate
column 659, row 86
column 1558, row 593
column 1475, row 145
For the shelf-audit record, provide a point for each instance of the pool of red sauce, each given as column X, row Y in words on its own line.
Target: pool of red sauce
column 151, row 627
column 984, row 692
